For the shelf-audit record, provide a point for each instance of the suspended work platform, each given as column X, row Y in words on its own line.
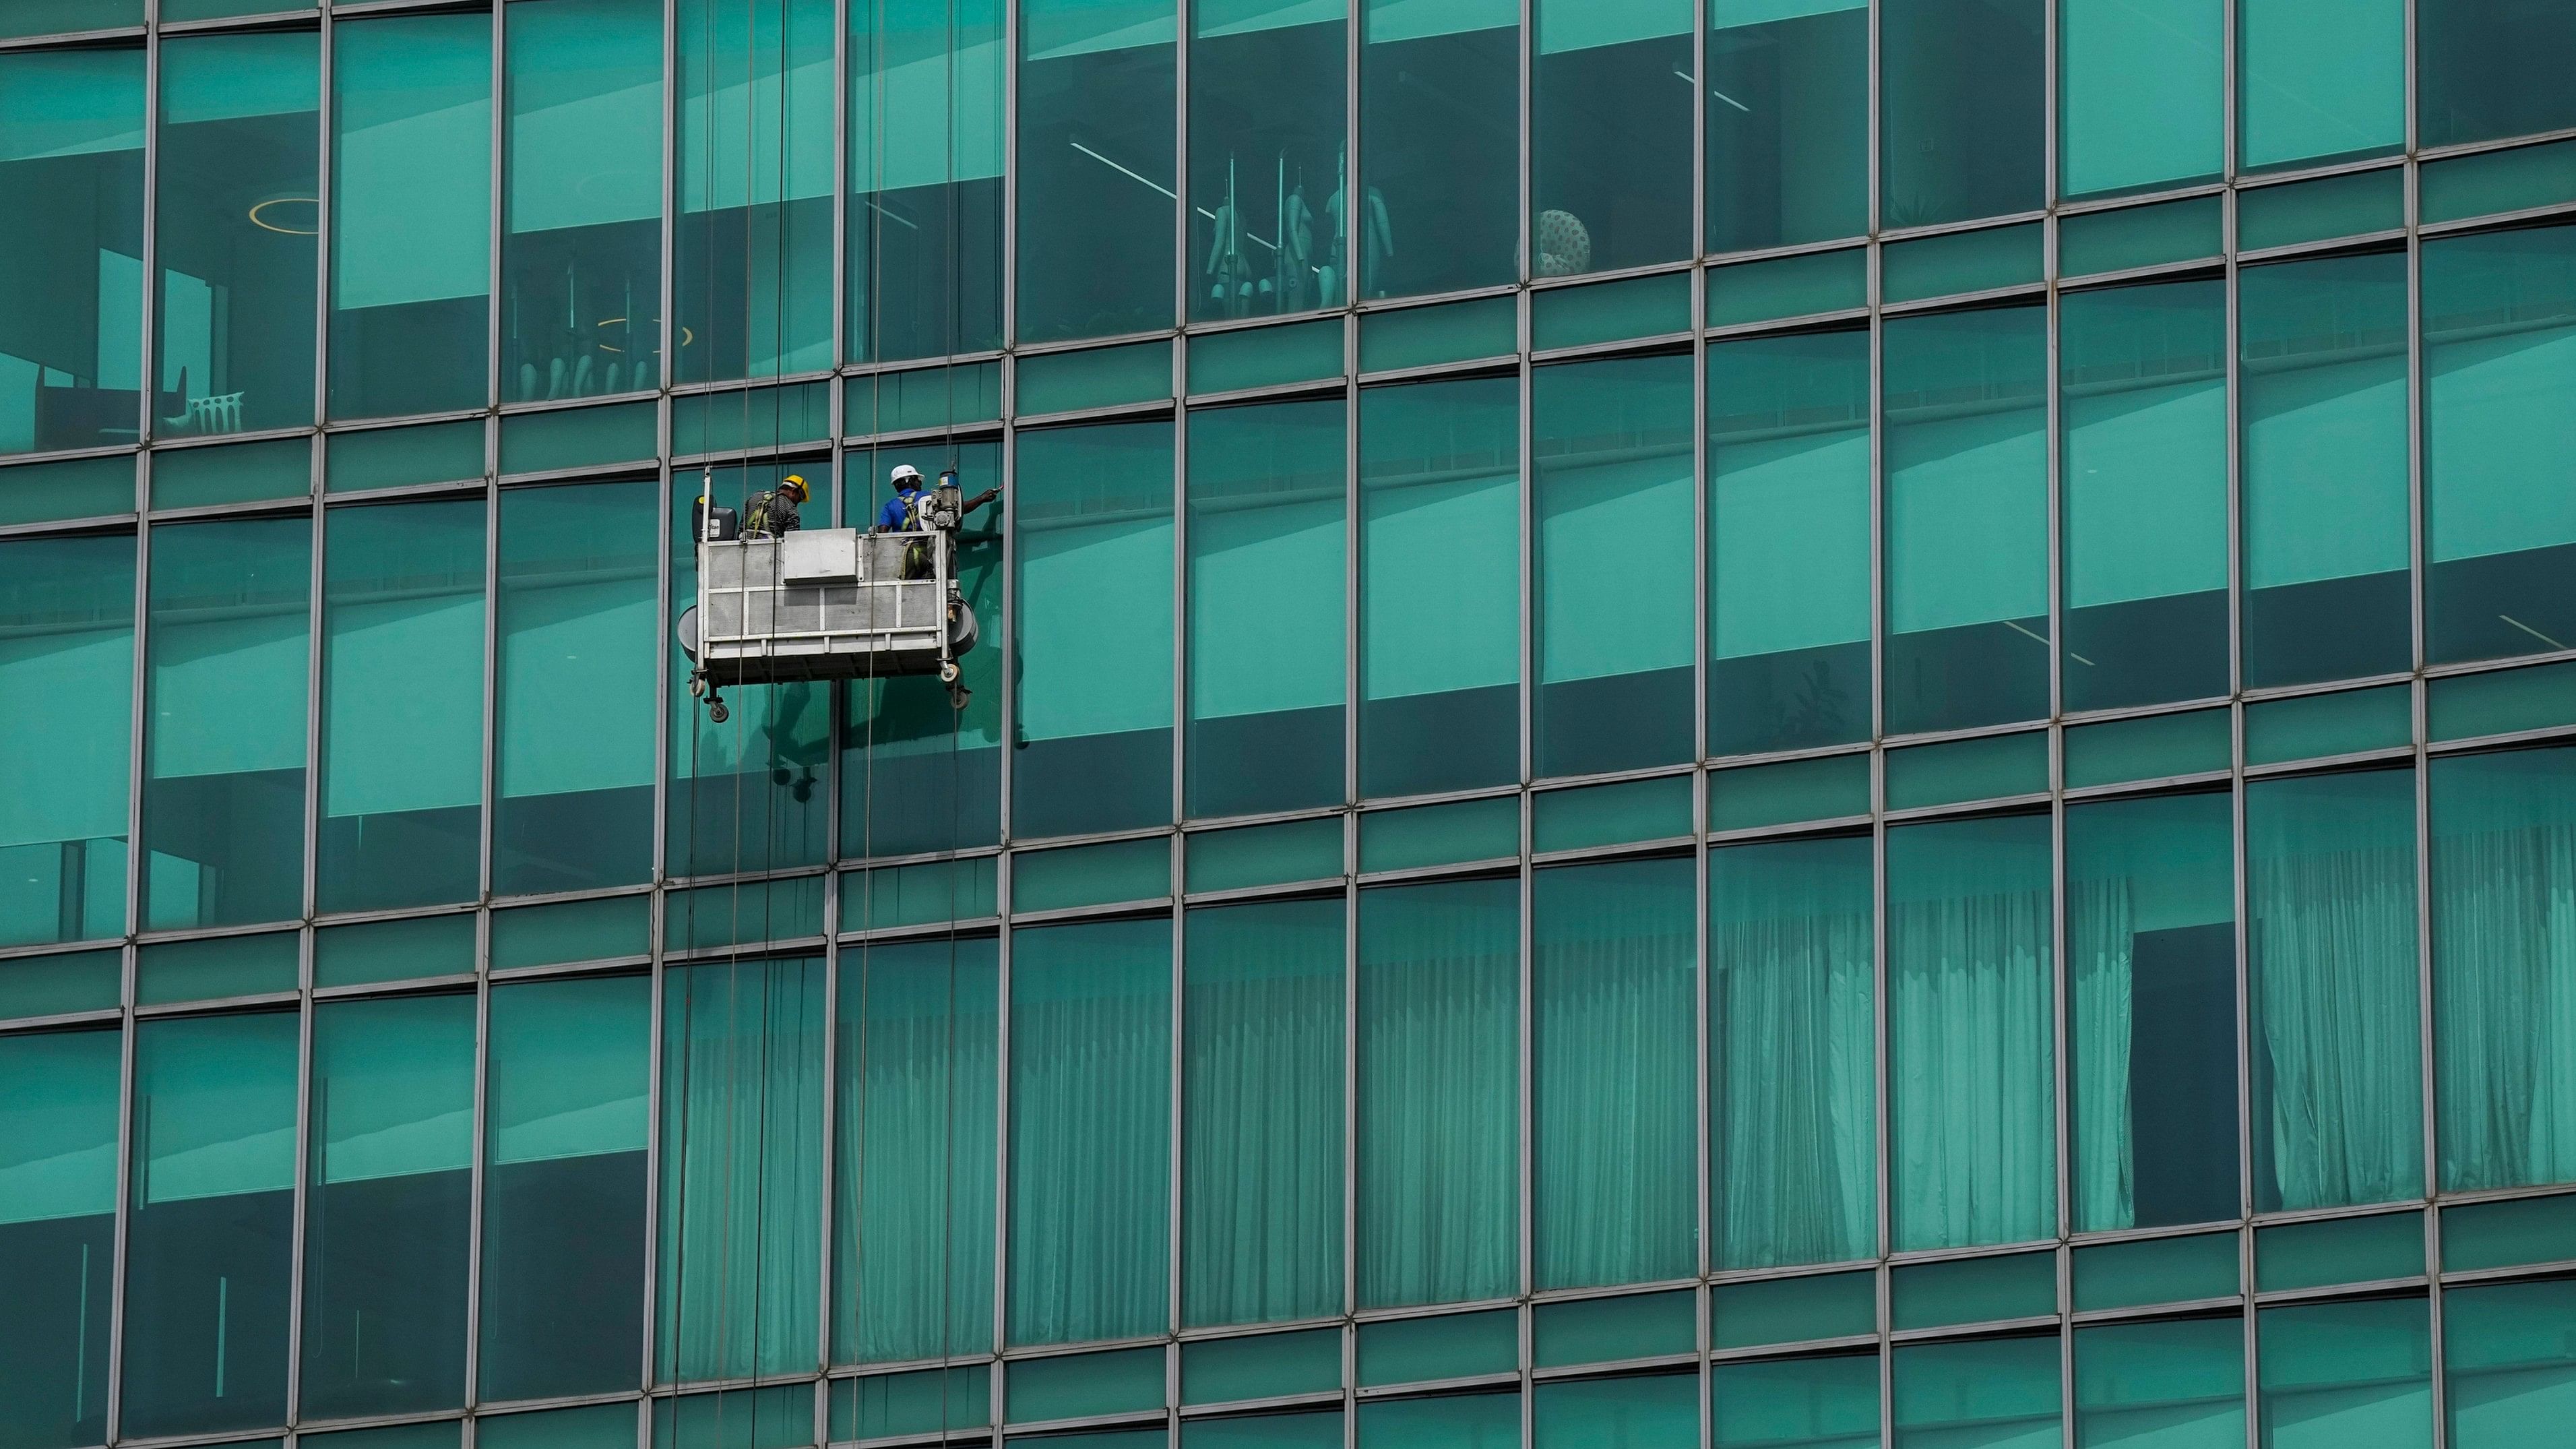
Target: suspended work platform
column 823, row 604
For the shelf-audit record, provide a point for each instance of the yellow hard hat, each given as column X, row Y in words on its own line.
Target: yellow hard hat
column 795, row 481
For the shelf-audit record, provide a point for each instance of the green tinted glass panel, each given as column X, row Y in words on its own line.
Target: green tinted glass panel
column 1063, row 382
column 1791, row 1310
column 1962, row 110
column 2499, row 319
column 399, row 457
column 402, row 705
column 1983, row 1392
column 239, row 473
column 2494, row 181
column 599, row 1426
column 1966, row 519
column 71, row 127
column 2332, row 206
column 1440, row 599
column 2181, row 1382
column 1259, row 855
column 1439, row 1088
column 1080, row 1386
column 1264, row 1004
column 57, row 1226
column 744, row 914
column 2321, row 351
column 2151, row 957
column 1422, row 1350
column 768, row 417
column 2507, row 1234
column 1453, row 332
column 773, row 1418
column 1980, row 769
column 1610, row 147
column 2356, row 1375
column 1968, row 948
column 2156, row 1270
column 1647, row 1411
column 240, row 138
column 1967, row 261
column 1610, row 311
column 223, row 789
column 925, row 139
column 2485, row 68
column 1973, row 1290
column 930, row 397
column 1091, row 1145
column 1788, row 287
column 1093, row 628
column 752, row 264
column 2509, row 1369
column 67, row 649
column 1446, row 213
column 2338, row 1250
column 411, row 214
column 1265, row 357
column 82, row 488
column 1266, row 1431
column 2152, row 748
column 212, row 969
column 1608, row 1330
column 1828, row 1403
column 2337, row 1113
column 1788, row 542
column 2319, row 80
column 1612, row 814
column 2143, row 236
column 913, row 895
column 551, row 441
column 572, row 931
column 1788, row 122
column 1268, row 530
column 1090, row 875
column 1440, row 834
column 2316, row 726
column 393, row 951
column 1267, row 105
column 1093, row 173
column 2468, row 705
column 884, row 1405
column 2141, row 94
column 1825, row 789
column 1792, row 1131
column 53, row 985
column 1267, row 1366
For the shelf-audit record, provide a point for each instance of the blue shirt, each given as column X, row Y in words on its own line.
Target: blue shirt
column 897, row 510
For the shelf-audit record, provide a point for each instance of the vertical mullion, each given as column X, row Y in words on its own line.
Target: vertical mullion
column 326, row 234
column 475, row 1177
column 2242, row 871
column 827, row 1300
column 655, row 1148
column 305, row 1114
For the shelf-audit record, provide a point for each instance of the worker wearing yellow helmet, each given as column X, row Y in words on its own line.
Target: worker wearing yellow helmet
column 774, row 512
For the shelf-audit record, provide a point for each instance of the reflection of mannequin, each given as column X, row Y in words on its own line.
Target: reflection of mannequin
column 1229, row 271
column 1297, row 254
column 1377, row 234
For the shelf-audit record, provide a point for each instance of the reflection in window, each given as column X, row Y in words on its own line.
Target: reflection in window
column 402, row 706
column 753, row 793
column 2490, row 68
column 752, row 250
column 385, row 1230
column 1267, row 158
column 67, row 650
column 1793, row 1097
column 912, row 1203
column 742, row 1163
column 1440, row 569
column 1795, row 1403
column 58, row 1119
column 917, row 773
column 2504, row 967
column 581, row 254
column 1261, row 1112
column 1093, row 629
column 223, row 788
column 2151, row 959
column 1997, row 1392
column 2507, row 1362
column 1963, row 109
column 1268, row 511
column 1788, row 122
column 925, row 145
column 1788, row 542
column 234, row 221
column 2140, row 94
column 1610, row 139
column 2180, row 1382
column 212, row 1229
column 1971, row 1033
column 71, row 174
column 2356, row 1373
column 1439, row 201
column 1612, row 968
column 575, row 749
column 1967, row 519
column 1439, row 1084
column 2143, row 373
column 2500, row 519
column 2319, row 80
column 1095, row 166
column 1091, row 1131
column 2322, row 357
column 2330, row 884
column 1611, row 447
column 411, row 214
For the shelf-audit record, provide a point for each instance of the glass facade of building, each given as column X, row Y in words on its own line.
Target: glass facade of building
column 1702, row 724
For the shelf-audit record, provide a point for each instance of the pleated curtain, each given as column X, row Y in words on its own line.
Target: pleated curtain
column 1439, row 1109
column 1617, row 1099
column 2338, row 1054
column 2101, row 942
column 1261, row 1113
column 1793, row 1041
column 2504, row 968
column 742, row 1170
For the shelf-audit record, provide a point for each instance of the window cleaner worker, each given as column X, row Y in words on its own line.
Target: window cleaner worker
column 774, row 512
column 897, row 514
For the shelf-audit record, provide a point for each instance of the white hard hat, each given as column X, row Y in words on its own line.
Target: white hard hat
column 904, row 472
